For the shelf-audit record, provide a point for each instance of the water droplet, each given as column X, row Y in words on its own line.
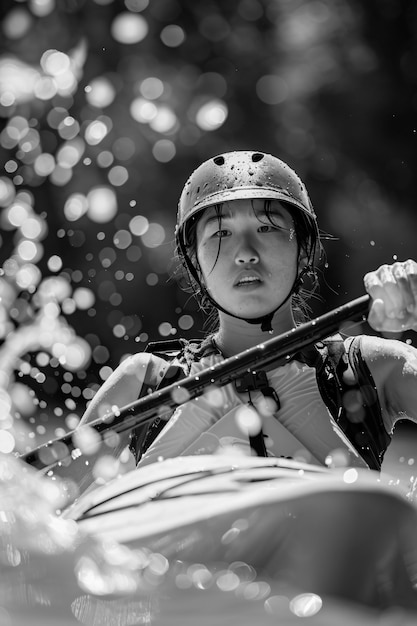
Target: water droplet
column 227, row 581
column 248, row 420
column 87, row 440
column 306, row 604
column 214, row 396
column 350, row 476
column 106, row 468
column 180, row 395
column 337, row 458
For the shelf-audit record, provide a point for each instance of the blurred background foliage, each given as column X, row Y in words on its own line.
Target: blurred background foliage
column 107, row 106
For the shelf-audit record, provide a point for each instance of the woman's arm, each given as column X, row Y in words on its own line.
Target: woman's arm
column 393, row 364
column 122, row 387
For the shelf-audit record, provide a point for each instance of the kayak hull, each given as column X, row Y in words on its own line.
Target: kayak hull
column 204, row 540
column 343, row 534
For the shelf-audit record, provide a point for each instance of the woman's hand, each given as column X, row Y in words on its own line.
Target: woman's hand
column 393, row 289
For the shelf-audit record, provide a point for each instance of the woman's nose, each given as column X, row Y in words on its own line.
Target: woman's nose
column 246, row 254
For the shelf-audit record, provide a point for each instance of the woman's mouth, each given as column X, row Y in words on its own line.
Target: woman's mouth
column 248, row 281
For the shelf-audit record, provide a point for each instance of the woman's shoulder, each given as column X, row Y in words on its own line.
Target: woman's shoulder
column 139, row 367
column 183, row 351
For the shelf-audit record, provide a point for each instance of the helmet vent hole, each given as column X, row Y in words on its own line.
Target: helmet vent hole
column 219, row 160
column 257, row 156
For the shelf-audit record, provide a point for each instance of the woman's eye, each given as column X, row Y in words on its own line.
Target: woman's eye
column 221, row 233
column 266, row 228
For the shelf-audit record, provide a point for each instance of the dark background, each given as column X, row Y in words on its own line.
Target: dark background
column 328, row 86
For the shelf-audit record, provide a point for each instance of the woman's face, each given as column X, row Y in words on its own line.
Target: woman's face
column 248, row 264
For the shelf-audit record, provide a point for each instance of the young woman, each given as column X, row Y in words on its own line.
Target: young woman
column 247, row 236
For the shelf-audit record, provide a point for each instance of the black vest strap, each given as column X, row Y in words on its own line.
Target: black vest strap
column 349, row 391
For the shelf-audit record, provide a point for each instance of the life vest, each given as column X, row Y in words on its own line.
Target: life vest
column 345, row 382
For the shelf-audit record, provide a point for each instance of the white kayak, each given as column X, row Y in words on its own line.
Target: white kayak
column 255, row 534
column 209, row 540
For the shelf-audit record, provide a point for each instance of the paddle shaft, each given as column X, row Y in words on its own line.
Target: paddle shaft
column 272, row 352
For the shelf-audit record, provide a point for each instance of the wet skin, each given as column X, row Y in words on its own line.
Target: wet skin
column 248, row 264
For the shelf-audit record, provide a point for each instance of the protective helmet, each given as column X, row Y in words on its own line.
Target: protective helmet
column 238, row 175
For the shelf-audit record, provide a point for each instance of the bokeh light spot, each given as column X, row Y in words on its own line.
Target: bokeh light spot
column 107, row 257
column 185, row 322
column 105, row 372
column 17, row 214
column 138, row 225
column 164, row 150
column 68, row 128
column 16, row 23
column 100, row 93
column 214, row 396
column 44, row 164
column 118, row 175
column 277, row 605
column 7, row 191
column 84, row 298
column 87, row 440
column 29, row 250
column 54, row 62
column 33, row 228
column 350, row 475
column 136, row 5
column 271, row 89
column 212, row 115
column 106, row 468
column 248, row 420
column 172, row 36
column 54, row 263
column 142, row 110
column 306, row 604
column 165, row 329
column 70, row 153
column 102, row 204
column 164, row 121
column 122, row 239
column 95, row 132
column 75, row 207
column 154, row 236
column 129, row 28
column 61, row 176
column 105, row 158
column 41, row 8
column 28, row 276
column 124, row 148
column 101, row 354
column 152, row 279
column 337, row 458
column 228, row 581
column 133, row 254
column 151, row 88
column 7, row 441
